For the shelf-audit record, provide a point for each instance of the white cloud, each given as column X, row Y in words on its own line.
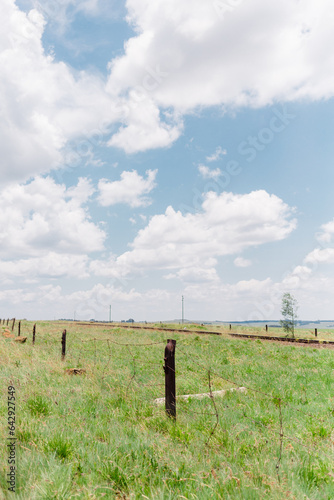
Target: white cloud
column 217, row 155
column 82, row 192
column 42, row 217
column 49, row 301
column 277, row 39
column 327, row 232
column 187, row 56
column 241, row 262
column 325, row 255
column 228, row 224
column 300, row 274
column 50, row 265
column 145, row 127
column 196, row 274
column 221, row 301
column 44, row 104
column 130, row 190
column 206, row 297
column 207, row 173
column 63, row 12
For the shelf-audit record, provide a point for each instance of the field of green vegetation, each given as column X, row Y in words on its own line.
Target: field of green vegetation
column 100, row 435
column 303, row 333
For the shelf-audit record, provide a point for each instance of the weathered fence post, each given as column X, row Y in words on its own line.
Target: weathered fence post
column 230, row 326
column 170, row 391
column 316, row 332
column 19, row 329
column 7, row 321
column 13, row 324
column 34, row 334
column 63, row 345
column 266, row 328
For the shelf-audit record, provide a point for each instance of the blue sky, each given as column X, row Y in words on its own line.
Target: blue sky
column 157, row 149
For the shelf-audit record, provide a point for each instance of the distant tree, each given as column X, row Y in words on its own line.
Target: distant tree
column 289, row 313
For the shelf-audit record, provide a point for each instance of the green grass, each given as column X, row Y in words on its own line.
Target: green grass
column 99, row 435
column 302, row 333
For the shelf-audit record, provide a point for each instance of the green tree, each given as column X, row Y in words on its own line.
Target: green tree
column 289, row 313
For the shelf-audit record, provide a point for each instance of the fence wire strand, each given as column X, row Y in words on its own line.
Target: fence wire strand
column 102, row 355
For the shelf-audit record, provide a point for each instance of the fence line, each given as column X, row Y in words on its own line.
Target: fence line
column 171, row 404
column 238, row 384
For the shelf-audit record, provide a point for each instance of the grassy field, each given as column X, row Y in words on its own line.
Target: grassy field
column 322, row 334
column 99, row 434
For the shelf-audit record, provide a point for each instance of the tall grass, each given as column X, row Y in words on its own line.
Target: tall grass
column 99, row 434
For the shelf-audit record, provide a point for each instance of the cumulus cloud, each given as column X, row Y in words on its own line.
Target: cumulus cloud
column 61, row 13
column 260, row 299
column 227, row 224
column 217, row 155
column 130, row 190
column 42, row 217
column 318, row 255
column 50, row 300
column 44, row 104
column 50, row 265
column 145, row 127
column 241, row 262
column 325, row 254
column 197, row 274
column 184, row 57
column 326, row 233
column 188, row 56
column 208, row 173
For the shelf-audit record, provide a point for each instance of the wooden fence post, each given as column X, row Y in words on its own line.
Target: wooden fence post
column 63, row 345
column 19, row 329
column 230, row 326
column 316, row 332
column 7, row 321
column 13, row 324
column 34, row 334
column 170, row 391
column 266, row 328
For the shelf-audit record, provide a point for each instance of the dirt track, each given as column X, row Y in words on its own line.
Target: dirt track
column 298, row 341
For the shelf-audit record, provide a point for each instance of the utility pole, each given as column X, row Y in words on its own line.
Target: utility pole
column 182, row 309
column 110, row 314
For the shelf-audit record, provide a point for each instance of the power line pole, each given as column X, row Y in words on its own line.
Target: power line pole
column 182, row 309
column 109, row 314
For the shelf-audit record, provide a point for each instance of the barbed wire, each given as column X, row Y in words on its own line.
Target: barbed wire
column 104, row 357
column 238, row 384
